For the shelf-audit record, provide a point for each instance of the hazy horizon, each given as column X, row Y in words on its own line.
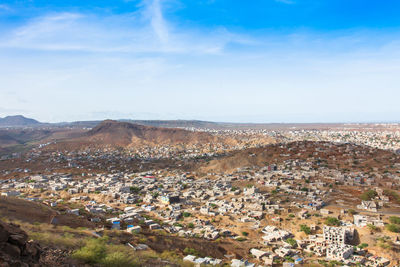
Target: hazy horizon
column 194, row 119
column 275, row 61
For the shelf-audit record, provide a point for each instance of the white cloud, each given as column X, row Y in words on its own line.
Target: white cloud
column 5, row 7
column 143, row 62
column 158, row 23
column 288, row 2
column 145, row 31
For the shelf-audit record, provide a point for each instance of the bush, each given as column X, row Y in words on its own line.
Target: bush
column 394, row 219
column 372, row 227
column 190, row 251
column 289, row 259
column 304, row 228
column 291, row 242
column 368, row 195
column 352, row 212
column 393, row 228
column 245, row 233
column 363, row 245
column 190, row 225
column 134, row 189
column 332, row 221
column 118, row 259
column 186, row 214
column 392, row 194
column 93, row 252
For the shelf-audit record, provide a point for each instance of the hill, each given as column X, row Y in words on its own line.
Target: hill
column 17, row 121
column 125, row 134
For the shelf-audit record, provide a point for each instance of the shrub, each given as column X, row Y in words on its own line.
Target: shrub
column 291, row 242
column 186, row 214
column 372, row 227
column 93, row 252
column 190, row 225
column 363, row 245
column 392, row 194
column 118, row 259
column 289, row 259
column 190, row 251
column 368, row 195
column 134, row 189
column 332, row 221
column 352, row 212
column 304, row 228
column 394, row 219
column 245, row 233
column 393, row 228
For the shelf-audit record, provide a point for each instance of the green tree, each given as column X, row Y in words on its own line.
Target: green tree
column 368, row 195
column 304, row 228
column 332, row 221
column 291, row 242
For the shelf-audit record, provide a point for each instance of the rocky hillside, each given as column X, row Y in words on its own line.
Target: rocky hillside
column 15, row 249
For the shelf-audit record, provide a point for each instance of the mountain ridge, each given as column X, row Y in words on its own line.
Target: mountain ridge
column 17, row 120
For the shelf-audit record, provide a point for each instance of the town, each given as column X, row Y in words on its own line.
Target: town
column 328, row 201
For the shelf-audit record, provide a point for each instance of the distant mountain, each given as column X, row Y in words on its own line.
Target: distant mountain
column 17, row 120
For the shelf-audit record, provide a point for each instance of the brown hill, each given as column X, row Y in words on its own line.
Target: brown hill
column 7, row 140
column 124, row 134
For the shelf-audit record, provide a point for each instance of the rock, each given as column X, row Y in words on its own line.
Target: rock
column 17, row 239
column 3, row 235
column 12, row 250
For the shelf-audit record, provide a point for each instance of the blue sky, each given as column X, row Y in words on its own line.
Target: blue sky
column 218, row 60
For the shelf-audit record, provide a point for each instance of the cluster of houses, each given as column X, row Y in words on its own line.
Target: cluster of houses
column 175, row 202
column 383, row 139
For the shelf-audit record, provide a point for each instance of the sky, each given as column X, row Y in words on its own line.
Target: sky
column 256, row 61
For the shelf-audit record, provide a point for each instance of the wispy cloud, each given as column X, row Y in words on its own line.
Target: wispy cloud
column 145, row 31
column 158, row 23
column 60, row 61
column 288, row 2
column 5, row 7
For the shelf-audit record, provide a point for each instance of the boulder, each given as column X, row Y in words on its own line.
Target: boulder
column 14, row 248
